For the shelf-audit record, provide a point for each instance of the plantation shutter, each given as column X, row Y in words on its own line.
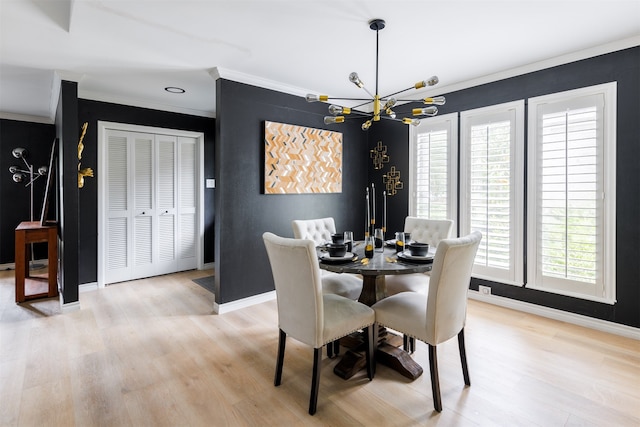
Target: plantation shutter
column 570, row 238
column 491, row 194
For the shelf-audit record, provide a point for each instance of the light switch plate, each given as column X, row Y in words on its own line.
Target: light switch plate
column 211, row 183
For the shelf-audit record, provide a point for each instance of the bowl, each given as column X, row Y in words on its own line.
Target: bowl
column 337, row 238
column 337, row 249
column 418, row 249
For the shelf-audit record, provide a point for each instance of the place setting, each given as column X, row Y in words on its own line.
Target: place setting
column 339, row 250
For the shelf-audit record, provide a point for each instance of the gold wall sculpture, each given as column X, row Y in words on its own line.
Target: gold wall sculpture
column 301, row 160
column 379, row 155
column 392, row 181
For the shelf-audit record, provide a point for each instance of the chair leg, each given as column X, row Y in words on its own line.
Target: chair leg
column 435, row 382
column 315, row 380
column 463, row 357
column 336, row 347
column 412, row 344
column 330, row 350
column 370, row 337
column 280, row 361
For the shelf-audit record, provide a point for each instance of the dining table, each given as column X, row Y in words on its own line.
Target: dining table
column 373, row 270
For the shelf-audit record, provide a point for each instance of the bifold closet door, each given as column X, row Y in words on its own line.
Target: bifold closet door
column 152, row 205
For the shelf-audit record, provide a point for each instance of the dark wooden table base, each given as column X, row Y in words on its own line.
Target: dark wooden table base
column 389, row 353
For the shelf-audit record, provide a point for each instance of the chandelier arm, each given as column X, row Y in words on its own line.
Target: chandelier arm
column 360, row 116
column 352, row 99
column 395, row 93
column 369, row 93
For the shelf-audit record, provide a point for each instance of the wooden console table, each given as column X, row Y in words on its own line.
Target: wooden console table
column 33, row 232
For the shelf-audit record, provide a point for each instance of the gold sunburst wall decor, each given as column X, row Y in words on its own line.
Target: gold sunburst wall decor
column 392, row 181
column 379, row 155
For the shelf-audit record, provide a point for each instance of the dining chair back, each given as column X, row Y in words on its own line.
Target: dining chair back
column 423, row 230
column 440, row 314
column 427, row 230
column 305, row 312
column 319, row 230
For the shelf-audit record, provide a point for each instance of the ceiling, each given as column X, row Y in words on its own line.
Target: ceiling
column 128, row 51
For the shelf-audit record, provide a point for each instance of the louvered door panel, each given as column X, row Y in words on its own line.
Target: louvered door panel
column 144, row 233
column 166, row 202
column 188, row 204
column 117, row 208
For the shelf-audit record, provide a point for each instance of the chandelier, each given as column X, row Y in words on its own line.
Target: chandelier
column 382, row 106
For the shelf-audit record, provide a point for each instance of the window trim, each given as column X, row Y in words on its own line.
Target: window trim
column 608, row 91
column 516, row 110
column 450, row 122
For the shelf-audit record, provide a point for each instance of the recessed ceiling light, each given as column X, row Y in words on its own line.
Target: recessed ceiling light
column 173, row 89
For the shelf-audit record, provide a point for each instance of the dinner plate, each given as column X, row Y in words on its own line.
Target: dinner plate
column 414, row 258
column 326, row 258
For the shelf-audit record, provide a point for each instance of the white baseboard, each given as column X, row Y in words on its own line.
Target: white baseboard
column 8, row 266
column 563, row 316
column 69, row 307
column 86, row 287
column 242, row 303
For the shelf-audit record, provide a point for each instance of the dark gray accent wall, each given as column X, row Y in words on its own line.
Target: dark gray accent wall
column 622, row 67
column 94, row 111
column 243, row 211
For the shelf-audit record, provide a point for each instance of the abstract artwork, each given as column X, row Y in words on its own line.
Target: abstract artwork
column 301, row 160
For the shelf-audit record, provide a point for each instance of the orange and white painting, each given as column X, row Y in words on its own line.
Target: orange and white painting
column 301, row 160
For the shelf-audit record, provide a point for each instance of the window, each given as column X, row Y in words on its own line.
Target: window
column 433, row 158
column 571, row 193
column 491, row 183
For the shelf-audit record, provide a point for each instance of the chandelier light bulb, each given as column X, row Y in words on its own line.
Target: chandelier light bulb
column 18, row 177
column 390, row 103
column 328, row 120
column 426, row 111
column 316, row 98
column 42, row 170
column 436, row 100
column 13, row 169
column 337, row 110
column 353, row 78
column 366, row 125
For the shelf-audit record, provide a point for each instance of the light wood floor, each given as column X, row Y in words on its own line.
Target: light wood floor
column 150, row 353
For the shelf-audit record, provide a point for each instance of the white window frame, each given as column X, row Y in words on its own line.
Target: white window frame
column 605, row 290
column 448, row 122
column 513, row 111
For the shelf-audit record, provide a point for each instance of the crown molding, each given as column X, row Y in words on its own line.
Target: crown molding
column 240, row 77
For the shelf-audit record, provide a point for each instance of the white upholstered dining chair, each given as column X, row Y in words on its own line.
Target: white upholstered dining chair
column 422, row 230
column 440, row 314
column 320, row 231
column 347, row 285
column 305, row 312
